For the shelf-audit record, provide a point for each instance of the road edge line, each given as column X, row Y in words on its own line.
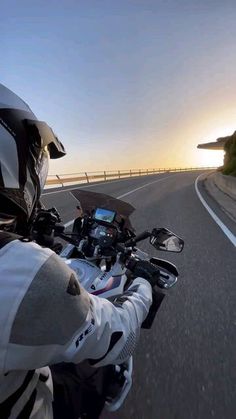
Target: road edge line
column 222, row 226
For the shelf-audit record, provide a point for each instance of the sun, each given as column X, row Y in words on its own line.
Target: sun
column 210, row 158
column 215, row 158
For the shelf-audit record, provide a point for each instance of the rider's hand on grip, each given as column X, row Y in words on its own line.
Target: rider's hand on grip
column 146, row 270
column 151, row 273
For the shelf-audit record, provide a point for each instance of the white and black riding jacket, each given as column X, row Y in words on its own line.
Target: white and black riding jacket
column 46, row 317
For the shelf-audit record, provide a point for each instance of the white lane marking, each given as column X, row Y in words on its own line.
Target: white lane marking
column 128, row 193
column 223, row 227
column 144, row 186
column 73, row 196
column 99, row 183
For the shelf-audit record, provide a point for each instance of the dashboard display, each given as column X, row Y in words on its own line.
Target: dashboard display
column 103, row 235
column 102, row 214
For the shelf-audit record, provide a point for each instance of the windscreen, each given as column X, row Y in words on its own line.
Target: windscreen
column 89, row 201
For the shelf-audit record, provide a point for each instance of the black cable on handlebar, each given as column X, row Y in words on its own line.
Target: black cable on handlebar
column 138, row 238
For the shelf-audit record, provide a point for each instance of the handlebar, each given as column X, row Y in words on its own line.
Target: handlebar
column 138, row 238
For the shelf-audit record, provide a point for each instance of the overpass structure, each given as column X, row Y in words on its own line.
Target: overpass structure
column 215, row 145
column 218, row 144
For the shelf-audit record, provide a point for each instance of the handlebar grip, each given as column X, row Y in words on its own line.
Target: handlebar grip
column 144, row 269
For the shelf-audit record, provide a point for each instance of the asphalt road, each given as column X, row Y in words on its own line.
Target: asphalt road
column 185, row 366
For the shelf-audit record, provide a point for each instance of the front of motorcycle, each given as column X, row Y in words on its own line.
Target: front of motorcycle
column 102, row 250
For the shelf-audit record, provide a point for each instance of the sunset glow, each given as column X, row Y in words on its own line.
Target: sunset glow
column 211, row 158
column 125, row 84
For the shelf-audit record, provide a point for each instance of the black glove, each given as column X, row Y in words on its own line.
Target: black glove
column 43, row 227
column 150, row 272
column 146, row 270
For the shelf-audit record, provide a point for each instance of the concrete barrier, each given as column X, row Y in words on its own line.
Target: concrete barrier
column 226, row 184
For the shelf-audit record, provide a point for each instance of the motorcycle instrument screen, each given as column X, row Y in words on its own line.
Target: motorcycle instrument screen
column 102, row 214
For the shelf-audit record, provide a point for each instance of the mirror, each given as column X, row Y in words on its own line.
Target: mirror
column 163, row 239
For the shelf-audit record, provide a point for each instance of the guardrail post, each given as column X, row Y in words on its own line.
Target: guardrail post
column 86, row 174
column 128, row 173
column 58, row 177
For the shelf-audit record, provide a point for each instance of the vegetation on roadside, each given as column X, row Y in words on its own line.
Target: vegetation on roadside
column 229, row 167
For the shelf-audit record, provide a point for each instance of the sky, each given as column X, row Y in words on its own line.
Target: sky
column 124, row 84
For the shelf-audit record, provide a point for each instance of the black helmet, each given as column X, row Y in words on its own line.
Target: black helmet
column 26, row 145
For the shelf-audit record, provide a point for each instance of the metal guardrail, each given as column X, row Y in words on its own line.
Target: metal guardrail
column 87, row 177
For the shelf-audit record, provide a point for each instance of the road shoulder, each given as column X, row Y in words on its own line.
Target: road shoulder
column 226, row 202
column 218, row 205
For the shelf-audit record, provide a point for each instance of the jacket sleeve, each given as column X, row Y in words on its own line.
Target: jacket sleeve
column 58, row 321
column 116, row 327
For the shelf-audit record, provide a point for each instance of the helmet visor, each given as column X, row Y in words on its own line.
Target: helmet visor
column 45, row 136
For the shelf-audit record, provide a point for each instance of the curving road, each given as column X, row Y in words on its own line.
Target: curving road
column 185, row 367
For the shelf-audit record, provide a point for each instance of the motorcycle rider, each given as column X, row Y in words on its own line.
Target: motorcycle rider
column 46, row 317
